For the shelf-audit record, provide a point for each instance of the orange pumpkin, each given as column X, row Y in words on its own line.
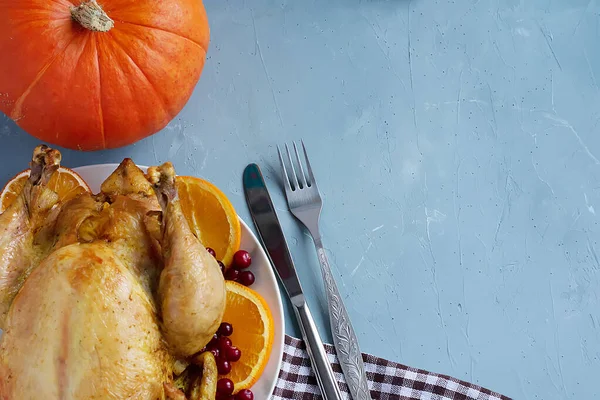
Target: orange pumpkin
column 91, row 76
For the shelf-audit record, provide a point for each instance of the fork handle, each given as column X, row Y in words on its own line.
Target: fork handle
column 344, row 338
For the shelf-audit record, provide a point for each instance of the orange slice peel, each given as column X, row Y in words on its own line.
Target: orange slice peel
column 65, row 182
column 253, row 333
column 211, row 216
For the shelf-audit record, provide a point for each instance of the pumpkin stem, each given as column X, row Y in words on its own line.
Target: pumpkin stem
column 91, row 16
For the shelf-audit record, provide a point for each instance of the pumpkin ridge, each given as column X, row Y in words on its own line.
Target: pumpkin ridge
column 43, row 19
column 100, row 93
column 16, row 110
column 83, row 44
column 165, row 30
column 64, row 2
column 158, row 94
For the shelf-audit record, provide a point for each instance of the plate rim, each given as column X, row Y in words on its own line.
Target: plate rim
column 276, row 351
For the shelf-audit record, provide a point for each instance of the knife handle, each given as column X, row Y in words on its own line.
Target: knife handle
column 316, row 352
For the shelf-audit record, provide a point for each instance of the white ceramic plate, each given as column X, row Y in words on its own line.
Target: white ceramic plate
column 266, row 283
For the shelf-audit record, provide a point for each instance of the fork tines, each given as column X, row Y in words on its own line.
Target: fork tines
column 295, row 180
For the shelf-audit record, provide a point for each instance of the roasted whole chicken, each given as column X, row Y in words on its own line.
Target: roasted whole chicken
column 104, row 296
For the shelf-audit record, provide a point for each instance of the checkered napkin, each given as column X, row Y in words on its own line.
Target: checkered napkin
column 387, row 380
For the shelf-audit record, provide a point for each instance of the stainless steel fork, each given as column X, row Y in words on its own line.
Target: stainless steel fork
column 304, row 201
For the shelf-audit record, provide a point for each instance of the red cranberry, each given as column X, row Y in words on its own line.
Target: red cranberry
column 224, row 386
column 222, row 266
column 232, row 274
column 224, row 343
column 246, row 278
column 216, row 352
column 244, row 394
column 225, row 329
column 214, row 342
column 241, row 259
column 223, row 366
column 211, row 251
column 232, row 353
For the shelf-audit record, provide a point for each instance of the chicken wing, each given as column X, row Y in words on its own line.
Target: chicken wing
column 22, row 224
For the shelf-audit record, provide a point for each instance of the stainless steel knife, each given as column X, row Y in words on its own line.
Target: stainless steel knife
column 272, row 238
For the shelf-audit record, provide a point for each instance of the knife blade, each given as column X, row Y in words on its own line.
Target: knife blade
column 270, row 232
column 273, row 240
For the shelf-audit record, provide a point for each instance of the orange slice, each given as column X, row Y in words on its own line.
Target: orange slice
column 65, row 182
column 253, row 332
column 211, row 216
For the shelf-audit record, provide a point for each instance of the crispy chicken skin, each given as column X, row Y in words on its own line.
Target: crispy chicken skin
column 24, row 237
column 191, row 289
column 100, row 295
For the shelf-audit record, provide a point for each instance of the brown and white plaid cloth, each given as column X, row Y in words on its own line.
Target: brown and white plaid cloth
column 387, row 380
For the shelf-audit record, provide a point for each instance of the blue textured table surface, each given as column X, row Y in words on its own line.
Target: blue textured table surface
column 457, row 148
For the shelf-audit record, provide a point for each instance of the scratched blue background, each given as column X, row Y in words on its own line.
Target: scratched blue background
column 457, row 148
